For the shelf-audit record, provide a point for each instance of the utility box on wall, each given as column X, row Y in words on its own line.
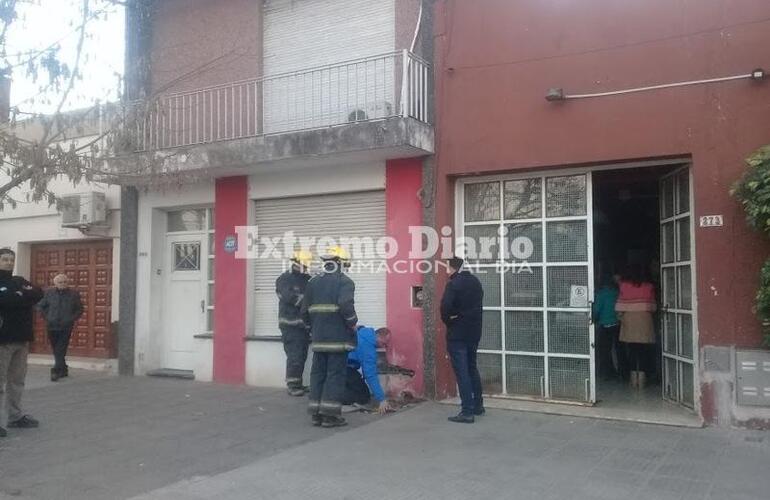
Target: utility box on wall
column 753, row 378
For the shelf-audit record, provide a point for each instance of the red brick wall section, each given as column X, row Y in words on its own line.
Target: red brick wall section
column 199, row 43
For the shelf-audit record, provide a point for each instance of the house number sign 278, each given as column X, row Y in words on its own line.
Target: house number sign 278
column 711, row 221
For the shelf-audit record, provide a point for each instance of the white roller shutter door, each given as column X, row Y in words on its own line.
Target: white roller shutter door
column 349, row 215
column 304, row 34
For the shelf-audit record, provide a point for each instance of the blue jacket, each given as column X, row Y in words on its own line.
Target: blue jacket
column 364, row 358
column 604, row 306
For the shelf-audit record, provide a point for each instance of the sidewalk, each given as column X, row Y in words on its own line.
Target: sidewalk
column 153, row 439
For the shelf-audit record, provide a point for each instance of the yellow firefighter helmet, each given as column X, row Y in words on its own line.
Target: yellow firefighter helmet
column 302, row 257
column 337, row 253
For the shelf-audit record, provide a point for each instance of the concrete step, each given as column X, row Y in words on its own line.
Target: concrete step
column 172, row 373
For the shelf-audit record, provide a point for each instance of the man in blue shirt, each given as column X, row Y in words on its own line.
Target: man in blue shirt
column 361, row 386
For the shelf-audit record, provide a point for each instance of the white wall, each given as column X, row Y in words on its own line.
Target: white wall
column 149, row 282
column 325, row 179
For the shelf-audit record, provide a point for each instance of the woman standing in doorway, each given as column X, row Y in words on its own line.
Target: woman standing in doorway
column 635, row 306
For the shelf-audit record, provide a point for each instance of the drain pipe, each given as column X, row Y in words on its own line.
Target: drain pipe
column 416, row 29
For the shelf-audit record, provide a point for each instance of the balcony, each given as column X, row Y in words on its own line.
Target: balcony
column 394, row 88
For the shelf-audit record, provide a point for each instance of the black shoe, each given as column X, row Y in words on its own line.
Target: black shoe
column 65, row 372
column 54, row 375
column 329, row 422
column 317, row 420
column 462, row 418
column 25, row 422
column 296, row 391
column 479, row 411
column 3, row 432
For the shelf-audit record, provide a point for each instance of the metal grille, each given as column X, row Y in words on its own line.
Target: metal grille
column 492, row 333
column 560, row 283
column 688, row 390
column 683, row 201
column 685, row 287
column 670, row 379
column 524, row 375
column 490, row 283
column 669, row 287
column 683, row 226
column 491, row 371
column 667, row 200
column 482, row 202
column 569, row 378
column 524, row 331
column 568, row 333
column 534, row 232
column 524, row 288
column 567, row 241
column 668, row 243
column 522, row 199
column 556, row 279
column 476, row 243
column 686, row 336
column 566, row 196
column 669, row 327
column 676, row 254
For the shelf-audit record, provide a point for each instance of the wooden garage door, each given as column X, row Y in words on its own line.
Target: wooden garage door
column 89, row 267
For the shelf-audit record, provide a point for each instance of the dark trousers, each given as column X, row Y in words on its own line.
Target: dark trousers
column 606, row 342
column 60, row 341
column 327, row 383
column 356, row 390
column 639, row 357
column 295, row 344
column 463, row 356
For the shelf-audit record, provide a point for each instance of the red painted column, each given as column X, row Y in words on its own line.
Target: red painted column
column 231, row 204
column 403, row 181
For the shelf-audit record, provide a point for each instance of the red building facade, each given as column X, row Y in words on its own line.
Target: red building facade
column 496, row 60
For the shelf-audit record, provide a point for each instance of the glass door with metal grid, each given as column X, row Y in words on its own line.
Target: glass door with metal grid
column 537, row 337
column 677, row 288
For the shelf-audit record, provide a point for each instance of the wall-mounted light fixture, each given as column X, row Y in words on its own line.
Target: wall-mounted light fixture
column 557, row 94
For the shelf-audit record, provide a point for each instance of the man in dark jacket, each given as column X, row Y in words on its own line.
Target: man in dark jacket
column 290, row 288
column 61, row 307
column 17, row 299
column 461, row 312
column 329, row 310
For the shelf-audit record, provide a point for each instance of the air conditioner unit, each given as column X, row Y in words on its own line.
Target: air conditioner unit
column 84, row 210
column 371, row 111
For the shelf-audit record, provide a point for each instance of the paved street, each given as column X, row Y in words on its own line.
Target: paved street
column 120, row 438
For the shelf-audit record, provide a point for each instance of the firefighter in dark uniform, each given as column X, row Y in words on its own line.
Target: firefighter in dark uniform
column 329, row 310
column 290, row 287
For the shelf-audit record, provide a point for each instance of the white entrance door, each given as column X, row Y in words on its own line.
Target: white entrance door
column 677, row 288
column 537, row 338
column 184, row 307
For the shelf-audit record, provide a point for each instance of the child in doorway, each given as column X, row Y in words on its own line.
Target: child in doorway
column 608, row 326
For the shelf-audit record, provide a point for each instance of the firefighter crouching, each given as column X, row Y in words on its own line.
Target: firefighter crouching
column 290, row 287
column 328, row 308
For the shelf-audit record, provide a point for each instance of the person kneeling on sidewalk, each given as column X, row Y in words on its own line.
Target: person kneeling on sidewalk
column 61, row 307
column 362, row 380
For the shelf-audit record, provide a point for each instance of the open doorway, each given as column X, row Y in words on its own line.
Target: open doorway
column 631, row 214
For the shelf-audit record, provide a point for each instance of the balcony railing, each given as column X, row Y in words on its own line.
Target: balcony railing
column 374, row 88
